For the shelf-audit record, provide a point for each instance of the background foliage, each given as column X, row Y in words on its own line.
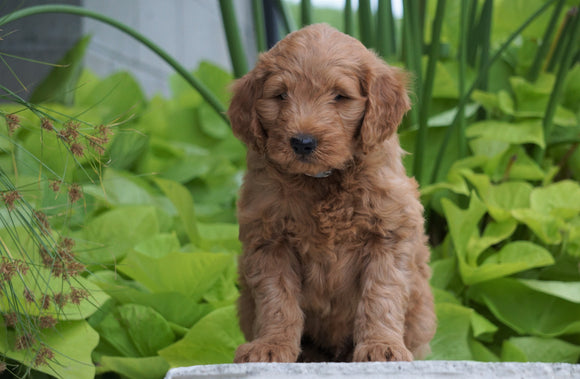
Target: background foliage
column 118, row 232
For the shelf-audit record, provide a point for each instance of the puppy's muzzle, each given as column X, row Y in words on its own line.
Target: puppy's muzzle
column 303, row 144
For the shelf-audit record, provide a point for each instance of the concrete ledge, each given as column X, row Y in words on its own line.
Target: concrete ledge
column 398, row 370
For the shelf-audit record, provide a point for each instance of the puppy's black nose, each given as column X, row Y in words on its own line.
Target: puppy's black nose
column 303, row 144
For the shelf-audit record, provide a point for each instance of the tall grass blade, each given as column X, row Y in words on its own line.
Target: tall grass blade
column 572, row 43
column 235, row 46
column 540, row 56
column 463, row 31
column 259, row 26
column 348, row 18
column 287, row 20
column 484, row 31
column 365, row 23
column 420, row 145
column 385, row 29
column 557, row 48
column 306, row 12
column 463, row 100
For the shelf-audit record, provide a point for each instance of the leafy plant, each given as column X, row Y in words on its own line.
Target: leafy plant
column 155, row 226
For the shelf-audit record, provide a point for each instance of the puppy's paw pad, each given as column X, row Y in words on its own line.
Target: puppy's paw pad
column 371, row 352
column 265, row 352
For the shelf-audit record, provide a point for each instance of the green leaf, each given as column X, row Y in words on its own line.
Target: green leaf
column 148, row 330
column 127, row 148
column 211, row 123
column 159, row 245
column 546, row 227
column 175, row 307
column 212, row 340
column 183, row 202
column 505, row 197
column 527, row 311
column 559, row 199
column 135, row 368
column 482, row 328
column 114, row 233
column 71, row 342
column 536, row 349
column 451, row 339
column 61, row 82
column 112, row 330
column 191, row 274
column 117, row 97
column 514, row 133
column 569, row 291
column 121, row 188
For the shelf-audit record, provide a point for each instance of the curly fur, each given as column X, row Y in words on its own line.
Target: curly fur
column 333, row 268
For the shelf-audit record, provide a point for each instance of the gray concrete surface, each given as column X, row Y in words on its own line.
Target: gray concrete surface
column 398, row 370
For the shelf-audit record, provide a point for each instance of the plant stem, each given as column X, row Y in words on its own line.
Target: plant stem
column 461, row 141
column 421, row 142
column 571, row 46
column 365, row 21
column 348, row 18
column 259, row 27
column 287, row 19
column 484, row 30
column 557, row 48
column 211, row 99
column 385, row 29
column 463, row 101
column 536, row 67
column 235, row 46
column 306, row 12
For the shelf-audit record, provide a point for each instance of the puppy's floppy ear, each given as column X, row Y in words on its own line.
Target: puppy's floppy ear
column 242, row 112
column 387, row 103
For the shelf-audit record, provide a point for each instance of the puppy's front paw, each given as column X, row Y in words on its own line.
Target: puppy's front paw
column 259, row 351
column 367, row 352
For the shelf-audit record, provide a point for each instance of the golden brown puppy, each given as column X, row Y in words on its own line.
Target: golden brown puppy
column 334, row 264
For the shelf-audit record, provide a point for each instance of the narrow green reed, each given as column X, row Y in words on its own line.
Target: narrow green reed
column 421, row 142
column 235, row 46
column 208, row 96
column 484, row 37
column 463, row 32
column 544, row 47
column 482, row 72
column 306, row 12
column 365, row 23
column 572, row 40
column 386, row 45
column 287, row 20
column 260, row 28
column 348, row 18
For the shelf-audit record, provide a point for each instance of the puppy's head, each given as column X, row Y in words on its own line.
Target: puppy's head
column 316, row 99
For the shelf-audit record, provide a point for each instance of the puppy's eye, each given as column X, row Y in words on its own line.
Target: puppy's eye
column 339, row 97
column 282, row 96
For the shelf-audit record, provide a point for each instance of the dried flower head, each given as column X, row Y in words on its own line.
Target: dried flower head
column 10, row 319
column 54, row 185
column 10, row 198
column 46, row 124
column 60, row 299
column 43, row 355
column 47, row 321
column 77, row 149
column 42, row 222
column 74, row 193
column 70, row 133
column 13, row 122
column 24, row 341
column 28, row 295
column 77, row 295
column 45, row 302
column 104, row 131
column 7, row 269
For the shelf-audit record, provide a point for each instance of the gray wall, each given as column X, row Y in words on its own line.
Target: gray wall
column 189, row 30
column 44, row 38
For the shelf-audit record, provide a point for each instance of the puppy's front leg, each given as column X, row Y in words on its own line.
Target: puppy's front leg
column 380, row 319
column 269, row 275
